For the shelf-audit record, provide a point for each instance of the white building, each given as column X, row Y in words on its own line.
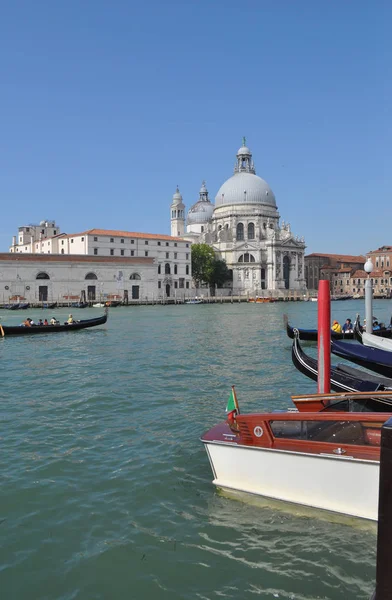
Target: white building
column 244, row 229
column 170, row 255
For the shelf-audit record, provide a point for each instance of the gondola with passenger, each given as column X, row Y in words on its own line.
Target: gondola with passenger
column 6, row 330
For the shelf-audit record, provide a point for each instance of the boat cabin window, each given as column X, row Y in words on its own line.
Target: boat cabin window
column 334, row 432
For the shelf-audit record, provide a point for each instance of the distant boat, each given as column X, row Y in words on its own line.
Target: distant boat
column 79, row 304
column 99, row 305
column 195, row 301
column 7, row 330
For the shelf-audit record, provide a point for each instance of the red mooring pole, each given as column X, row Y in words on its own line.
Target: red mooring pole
column 324, row 338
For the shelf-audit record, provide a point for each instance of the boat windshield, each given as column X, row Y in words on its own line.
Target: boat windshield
column 342, row 432
column 369, row 405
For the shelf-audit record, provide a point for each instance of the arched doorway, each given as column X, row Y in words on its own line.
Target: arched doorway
column 168, row 290
column 286, row 272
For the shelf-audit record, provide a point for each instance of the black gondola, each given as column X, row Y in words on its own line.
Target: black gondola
column 341, row 379
column 379, row 361
column 310, row 335
column 6, row 330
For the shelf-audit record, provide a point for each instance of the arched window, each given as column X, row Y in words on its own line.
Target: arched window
column 135, row 276
column 240, row 231
column 167, row 269
column 159, row 269
column 91, row 276
column 42, row 275
column 220, row 227
column 251, row 231
column 175, row 269
column 246, row 258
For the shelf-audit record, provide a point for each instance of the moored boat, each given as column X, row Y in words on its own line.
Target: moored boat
column 310, row 335
column 325, row 460
column 7, row 330
column 379, row 361
column 341, row 379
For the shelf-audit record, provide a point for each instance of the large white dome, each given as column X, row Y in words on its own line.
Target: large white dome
column 245, row 188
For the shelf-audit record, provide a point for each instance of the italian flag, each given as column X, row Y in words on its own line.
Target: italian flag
column 232, row 407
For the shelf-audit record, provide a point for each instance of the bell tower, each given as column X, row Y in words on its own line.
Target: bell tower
column 244, row 162
column 177, row 218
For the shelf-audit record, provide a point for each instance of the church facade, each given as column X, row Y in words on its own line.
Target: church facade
column 243, row 227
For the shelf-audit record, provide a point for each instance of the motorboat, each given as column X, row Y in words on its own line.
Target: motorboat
column 327, row 460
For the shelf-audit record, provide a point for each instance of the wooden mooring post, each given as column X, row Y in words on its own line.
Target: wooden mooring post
column 384, row 533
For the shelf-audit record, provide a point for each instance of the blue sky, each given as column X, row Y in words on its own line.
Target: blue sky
column 106, row 106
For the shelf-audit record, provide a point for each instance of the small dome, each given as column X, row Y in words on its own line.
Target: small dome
column 244, row 150
column 245, row 188
column 177, row 198
column 201, row 212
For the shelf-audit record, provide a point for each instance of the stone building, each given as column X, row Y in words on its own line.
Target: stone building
column 323, row 266
column 244, row 229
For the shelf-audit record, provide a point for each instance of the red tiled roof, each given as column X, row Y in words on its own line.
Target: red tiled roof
column 77, row 258
column 130, row 234
column 338, row 257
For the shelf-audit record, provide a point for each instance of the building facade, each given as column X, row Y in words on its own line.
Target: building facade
column 243, row 228
column 323, row 266
column 170, row 255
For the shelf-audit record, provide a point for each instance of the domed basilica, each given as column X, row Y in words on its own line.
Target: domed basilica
column 243, row 228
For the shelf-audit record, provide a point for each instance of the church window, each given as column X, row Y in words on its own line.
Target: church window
column 220, row 227
column 187, row 285
column 251, row 231
column 262, row 273
column 187, row 270
column 187, row 256
column 241, row 258
column 167, row 255
column 175, row 269
column 246, row 258
column 240, row 231
column 159, row 269
column 181, row 282
column 62, row 250
column 62, row 242
column 167, row 269
column 91, row 276
column 175, row 284
column 227, row 226
column 135, row 276
column 42, row 275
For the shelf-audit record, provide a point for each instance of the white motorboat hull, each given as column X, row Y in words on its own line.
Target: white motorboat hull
column 341, row 484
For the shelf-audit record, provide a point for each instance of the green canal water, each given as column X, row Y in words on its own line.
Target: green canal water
column 106, row 489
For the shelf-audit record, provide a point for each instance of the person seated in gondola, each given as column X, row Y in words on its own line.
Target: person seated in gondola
column 347, row 327
column 376, row 326
column 53, row 321
column 26, row 323
column 70, row 320
column 336, row 327
column 46, row 322
column 40, row 322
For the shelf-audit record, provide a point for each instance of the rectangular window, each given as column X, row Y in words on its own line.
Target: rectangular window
column 146, row 253
column 49, row 243
column 95, row 250
column 159, row 243
column 167, row 243
column 111, row 252
column 175, row 284
column 122, row 240
column 146, row 242
column 159, row 269
column 55, row 232
column 72, row 241
column 187, row 285
column 28, row 229
column 181, row 282
column 132, row 241
column 62, row 243
column 175, row 243
column 82, row 239
column 132, row 252
column 167, row 255
column 159, row 285
column 122, row 252
column 187, row 245
column 175, row 255
column 95, row 239
column 111, row 240
column 187, row 256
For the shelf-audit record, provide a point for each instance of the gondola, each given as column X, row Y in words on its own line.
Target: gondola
column 6, row 330
column 49, row 305
column 379, row 361
column 341, row 379
column 310, row 335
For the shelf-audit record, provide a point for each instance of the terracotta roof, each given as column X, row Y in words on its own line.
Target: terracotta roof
column 75, row 258
column 339, row 257
column 130, row 234
column 381, row 249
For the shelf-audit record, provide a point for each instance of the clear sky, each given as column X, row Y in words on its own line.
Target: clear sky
column 105, row 106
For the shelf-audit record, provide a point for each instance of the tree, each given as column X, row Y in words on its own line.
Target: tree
column 207, row 268
column 203, row 258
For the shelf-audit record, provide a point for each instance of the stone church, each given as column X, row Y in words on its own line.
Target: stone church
column 243, row 227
